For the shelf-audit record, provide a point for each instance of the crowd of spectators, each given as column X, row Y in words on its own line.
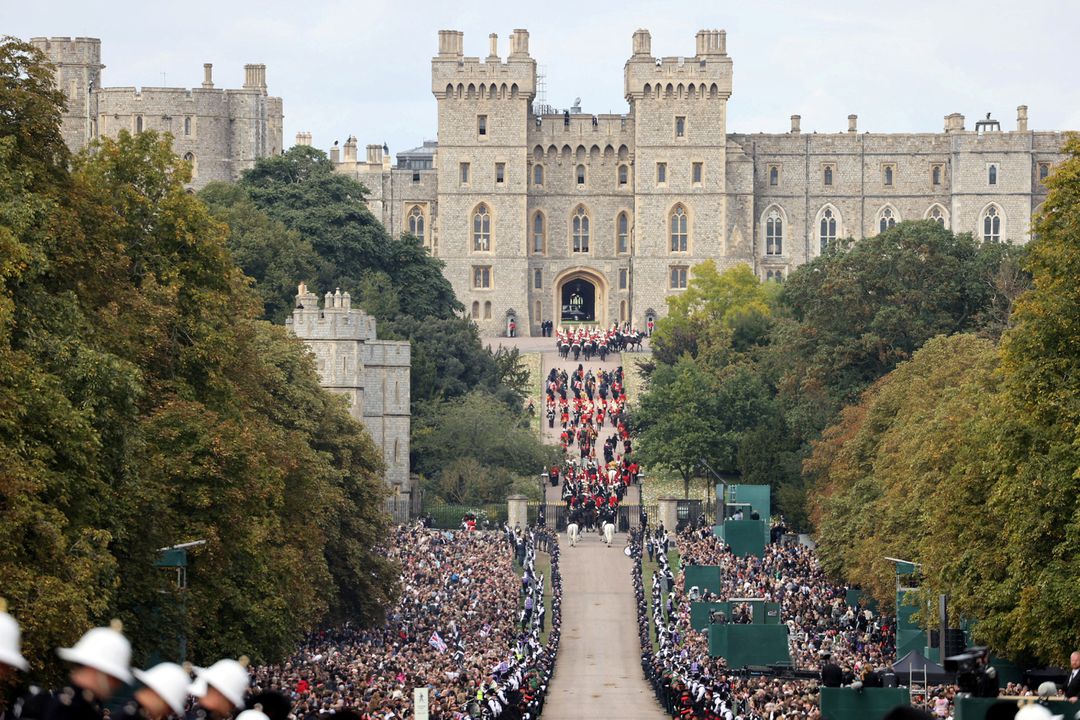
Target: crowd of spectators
column 690, row 684
column 467, row 626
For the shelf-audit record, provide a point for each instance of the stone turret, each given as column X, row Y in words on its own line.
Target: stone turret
column 372, row 374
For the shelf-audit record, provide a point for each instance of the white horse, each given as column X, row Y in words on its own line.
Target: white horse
column 609, row 533
column 572, row 533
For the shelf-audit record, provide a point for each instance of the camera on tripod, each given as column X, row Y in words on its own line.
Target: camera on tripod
column 974, row 676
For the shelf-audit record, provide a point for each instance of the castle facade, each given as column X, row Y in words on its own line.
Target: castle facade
column 372, row 374
column 531, row 208
column 221, row 132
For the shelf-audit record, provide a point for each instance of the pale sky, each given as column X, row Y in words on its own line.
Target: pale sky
column 363, row 68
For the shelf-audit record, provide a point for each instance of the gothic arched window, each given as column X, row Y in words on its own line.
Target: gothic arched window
column 886, row 219
column 580, row 230
column 622, row 233
column 827, row 229
column 774, row 233
column 538, row 175
column 481, row 229
column 539, row 234
column 991, row 227
column 937, row 214
column 416, row 222
column 678, row 232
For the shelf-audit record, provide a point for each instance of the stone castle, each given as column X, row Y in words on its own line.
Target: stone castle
column 373, row 374
column 220, row 132
column 571, row 217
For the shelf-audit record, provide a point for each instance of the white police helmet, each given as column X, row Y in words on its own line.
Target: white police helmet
column 169, row 681
column 104, row 649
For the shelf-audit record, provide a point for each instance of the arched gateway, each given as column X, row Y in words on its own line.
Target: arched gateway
column 581, row 297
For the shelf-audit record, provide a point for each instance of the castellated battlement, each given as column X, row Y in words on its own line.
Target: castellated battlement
column 372, row 374
column 335, row 320
column 69, row 50
column 455, row 76
column 707, row 75
column 556, row 127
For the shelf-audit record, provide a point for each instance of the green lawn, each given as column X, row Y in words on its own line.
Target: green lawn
column 534, row 363
column 633, row 382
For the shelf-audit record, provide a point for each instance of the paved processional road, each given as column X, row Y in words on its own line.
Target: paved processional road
column 598, row 669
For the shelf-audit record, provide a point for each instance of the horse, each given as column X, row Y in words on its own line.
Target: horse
column 572, row 533
column 564, row 349
column 609, row 533
column 576, row 349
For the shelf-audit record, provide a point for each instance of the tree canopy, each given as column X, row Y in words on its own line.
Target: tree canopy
column 335, row 241
column 143, row 404
column 965, row 459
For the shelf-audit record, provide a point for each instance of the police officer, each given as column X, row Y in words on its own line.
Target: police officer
column 100, row 667
column 163, row 692
column 220, row 689
column 11, row 658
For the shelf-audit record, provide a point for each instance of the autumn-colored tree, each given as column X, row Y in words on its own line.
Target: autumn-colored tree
column 142, row 404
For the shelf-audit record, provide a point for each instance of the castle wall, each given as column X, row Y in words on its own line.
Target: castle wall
column 727, row 208
column 372, row 374
column 220, row 131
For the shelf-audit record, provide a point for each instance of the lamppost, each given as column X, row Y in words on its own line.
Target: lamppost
column 722, row 500
column 541, row 520
column 175, row 557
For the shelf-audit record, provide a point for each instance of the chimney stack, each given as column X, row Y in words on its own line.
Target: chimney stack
column 852, row 123
column 954, row 122
column 208, row 75
column 451, row 43
column 335, row 154
column 1021, row 119
column 374, row 154
column 796, row 124
column 350, row 149
column 303, row 138
column 711, row 42
column 255, row 77
column 642, row 43
column 519, row 43
column 493, row 45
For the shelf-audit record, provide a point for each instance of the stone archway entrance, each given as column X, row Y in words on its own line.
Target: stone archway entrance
column 581, row 297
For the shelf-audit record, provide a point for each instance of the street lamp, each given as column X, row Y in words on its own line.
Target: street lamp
column 722, row 500
column 541, row 520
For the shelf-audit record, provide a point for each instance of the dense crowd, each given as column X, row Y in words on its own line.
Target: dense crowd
column 815, row 610
column 822, row 630
column 466, row 626
column 470, row 625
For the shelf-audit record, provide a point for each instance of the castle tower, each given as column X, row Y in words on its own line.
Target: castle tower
column 78, row 75
column 372, row 374
column 679, row 108
column 484, row 108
